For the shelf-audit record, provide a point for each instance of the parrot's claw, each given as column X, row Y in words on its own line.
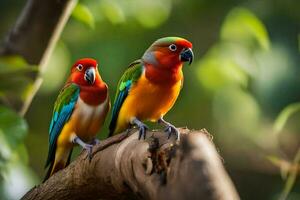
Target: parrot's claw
column 142, row 131
column 172, row 129
column 142, row 127
column 89, row 149
column 95, row 141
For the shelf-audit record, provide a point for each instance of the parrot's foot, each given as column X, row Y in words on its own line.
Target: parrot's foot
column 170, row 128
column 87, row 147
column 142, row 131
column 142, row 128
column 95, row 141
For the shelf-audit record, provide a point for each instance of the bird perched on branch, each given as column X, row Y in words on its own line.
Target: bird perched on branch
column 150, row 86
column 79, row 113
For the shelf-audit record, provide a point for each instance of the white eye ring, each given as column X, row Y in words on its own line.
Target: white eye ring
column 173, row 47
column 79, row 67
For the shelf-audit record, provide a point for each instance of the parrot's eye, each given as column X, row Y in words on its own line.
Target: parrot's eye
column 173, row 47
column 79, row 67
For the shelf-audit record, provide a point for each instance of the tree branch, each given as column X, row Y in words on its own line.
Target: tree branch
column 34, row 29
column 156, row 168
column 34, row 37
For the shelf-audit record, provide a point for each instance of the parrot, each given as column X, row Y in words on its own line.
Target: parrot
column 149, row 87
column 79, row 113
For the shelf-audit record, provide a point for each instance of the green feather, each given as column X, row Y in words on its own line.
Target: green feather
column 62, row 112
column 166, row 41
column 128, row 79
column 65, row 96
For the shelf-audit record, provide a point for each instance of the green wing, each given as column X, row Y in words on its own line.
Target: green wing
column 129, row 78
column 62, row 112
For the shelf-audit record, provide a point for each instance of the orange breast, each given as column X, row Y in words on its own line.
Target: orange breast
column 85, row 122
column 148, row 101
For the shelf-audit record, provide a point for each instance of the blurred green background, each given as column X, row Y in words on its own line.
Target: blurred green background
column 243, row 86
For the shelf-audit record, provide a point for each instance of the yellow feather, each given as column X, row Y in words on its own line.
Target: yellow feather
column 147, row 101
column 85, row 122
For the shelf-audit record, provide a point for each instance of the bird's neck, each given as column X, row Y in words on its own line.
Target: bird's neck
column 94, row 94
column 163, row 75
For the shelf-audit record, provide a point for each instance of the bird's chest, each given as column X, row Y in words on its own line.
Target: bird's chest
column 88, row 119
column 151, row 101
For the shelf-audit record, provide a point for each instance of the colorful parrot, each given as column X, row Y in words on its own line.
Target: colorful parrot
column 79, row 113
column 150, row 86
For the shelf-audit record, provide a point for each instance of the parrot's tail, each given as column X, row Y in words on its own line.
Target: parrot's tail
column 58, row 164
column 112, row 127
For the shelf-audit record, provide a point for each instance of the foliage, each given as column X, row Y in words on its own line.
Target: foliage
column 232, row 60
column 15, row 77
column 226, row 71
column 14, row 128
column 289, row 170
column 16, row 81
column 242, row 26
column 149, row 14
column 227, row 67
column 83, row 14
column 290, row 182
column 284, row 115
column 13, row 155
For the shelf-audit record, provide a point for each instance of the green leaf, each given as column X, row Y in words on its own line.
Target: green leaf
column 242, row 26
column 151, row 14
column 289, row 184
column 13, row 127
column 283, row 165
column 16, row 77
column 216, row 70
column 14, row 60
column 22, row 153
column 284, row 115
column 113, row 11
column 14, row 84
column 5, row 149
column 83, row 14
column 10, row 65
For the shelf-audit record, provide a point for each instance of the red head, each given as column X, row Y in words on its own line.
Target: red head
column 169, row 52
column 85, row 72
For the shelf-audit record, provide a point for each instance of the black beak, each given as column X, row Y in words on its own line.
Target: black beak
column 89, row 75
column 187, row 55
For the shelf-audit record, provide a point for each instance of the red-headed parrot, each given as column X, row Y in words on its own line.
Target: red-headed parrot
column 150, row 86
column 79, row 113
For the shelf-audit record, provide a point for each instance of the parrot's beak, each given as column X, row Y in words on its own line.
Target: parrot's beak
column 90, row 75
column 187, row 55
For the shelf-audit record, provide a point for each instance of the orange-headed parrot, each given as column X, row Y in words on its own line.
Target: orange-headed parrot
column 79, row 113
column 150, row 86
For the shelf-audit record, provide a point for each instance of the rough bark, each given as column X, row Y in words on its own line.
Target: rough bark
column 34, row 37
column 155, row 168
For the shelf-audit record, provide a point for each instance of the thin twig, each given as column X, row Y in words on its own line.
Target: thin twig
column 47, row 54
